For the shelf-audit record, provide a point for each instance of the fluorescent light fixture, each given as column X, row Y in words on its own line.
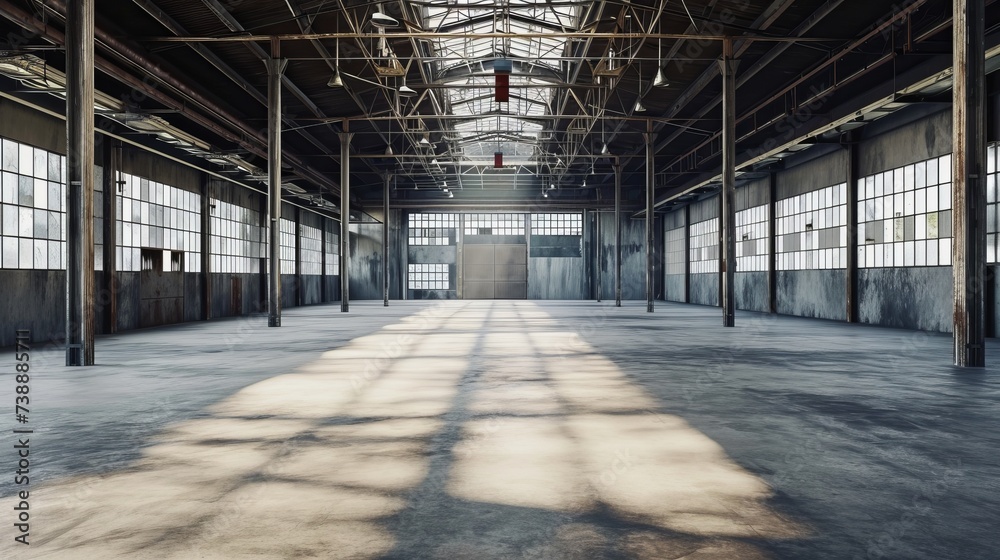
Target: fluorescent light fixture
column 552, row 186
column 407, row 91
column 639, row 107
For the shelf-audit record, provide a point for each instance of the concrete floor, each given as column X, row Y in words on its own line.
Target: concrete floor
column 526, row 430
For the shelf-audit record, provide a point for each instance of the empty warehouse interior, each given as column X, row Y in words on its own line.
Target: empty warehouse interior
column 514, row 279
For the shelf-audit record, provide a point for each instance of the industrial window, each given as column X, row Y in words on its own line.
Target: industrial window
column 812, row 230
column 238, row 240
column 557, row 224
column 288, row 246
column 751, row 239
column 674, row 249
column 904, row 216
column 993, row 200
column 432, row 229
column 494, row 224
column 428, row 277
column 332, row 250
column 32, row 220
column 705, row 246
column 312, row 250
column 152, row 215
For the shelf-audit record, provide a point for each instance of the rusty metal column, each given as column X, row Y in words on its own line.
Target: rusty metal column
column 687, row 254
column 80, row 170
column 385, row 240
column 618, row 232
column 299, row 300
column 650, row 217
column 728, row 219
column 968, row 182
column 110, row 160
column 275, row 68
column 345, row 218
column 598, row 249
column 772, row 242
column 851, row 268
column 322, row 262
column 206, row 247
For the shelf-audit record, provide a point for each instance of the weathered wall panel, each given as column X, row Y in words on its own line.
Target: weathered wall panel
column 751, row 291
column 911, row 298
column 366, row 262
column 812, row 293
column 557, row 278
column 633, row 257
column 705, row 289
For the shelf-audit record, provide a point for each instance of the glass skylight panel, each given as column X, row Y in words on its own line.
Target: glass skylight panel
column 461, row 51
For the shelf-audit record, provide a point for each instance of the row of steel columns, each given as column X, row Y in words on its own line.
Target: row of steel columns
column 969, row 193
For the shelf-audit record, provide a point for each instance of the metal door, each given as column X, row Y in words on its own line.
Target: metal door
column 495, row 271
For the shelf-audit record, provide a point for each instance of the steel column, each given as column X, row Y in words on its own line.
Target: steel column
column 345, row 219
column 968, row 183
column 618, row 232
column 687, row 254
column 650, row 218
column 298, row 257
column 275, row 69
column 80, row 170
column 852, row 229
column 598, row 252
column 728, row 219
column 206, row 247
column 772, row 242
column 111, row 159
column 322, row 262
column 385, row 239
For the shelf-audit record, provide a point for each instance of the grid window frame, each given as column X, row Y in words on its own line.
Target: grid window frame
column 432, row 228
column 905, row 215
column 506, row 224
column 811, row 230
column 704, row 246
column 557, row 223
column 752, row 236
column 428, row 276
column 675, row 257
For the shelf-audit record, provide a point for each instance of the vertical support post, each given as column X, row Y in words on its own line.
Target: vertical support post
column 299, row 300
column 772, row 242
column 598, row 252
column 80, row 170
column 618, row 232
column 687, row 254
column 728, row 218
column 650, row 218
column 345, row 218
column 206, row 248
column 110, row 161
column 852, row 229
column 385, row 240
column 275, row 68
column 322, row 262
column 969, row 182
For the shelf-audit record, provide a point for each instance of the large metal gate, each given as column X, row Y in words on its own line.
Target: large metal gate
column 495, row 271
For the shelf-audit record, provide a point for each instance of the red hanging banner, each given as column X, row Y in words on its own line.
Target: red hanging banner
column 503, row 88
column 498, row 160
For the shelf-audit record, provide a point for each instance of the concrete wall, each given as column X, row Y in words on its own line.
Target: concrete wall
column 912, row 297
column 705, row 289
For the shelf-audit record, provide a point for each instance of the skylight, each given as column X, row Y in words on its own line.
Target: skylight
column 465, row 63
